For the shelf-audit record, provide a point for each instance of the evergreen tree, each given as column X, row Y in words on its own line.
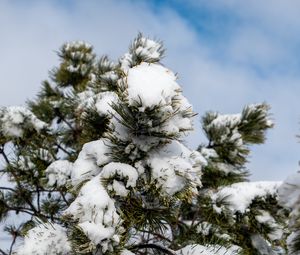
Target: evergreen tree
column 119, row 177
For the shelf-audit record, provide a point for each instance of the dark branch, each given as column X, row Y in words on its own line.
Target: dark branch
column 152, row 246
column 2, row 252
column 7, row 188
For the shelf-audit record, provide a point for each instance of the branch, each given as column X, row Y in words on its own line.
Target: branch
column 63, row 149
column 157, row 234
column 28, row 211
column 64, row 198
column 7, row 188
column 68, row 124
column 3, row 154
column 13, row 241
column 38, row 197
column 2, row 252
column 153, row 246
column 20, row 209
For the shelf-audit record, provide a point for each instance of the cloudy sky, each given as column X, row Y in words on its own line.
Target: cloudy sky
column 227, row 53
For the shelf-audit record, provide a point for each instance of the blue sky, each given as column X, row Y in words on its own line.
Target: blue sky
column 227, row 53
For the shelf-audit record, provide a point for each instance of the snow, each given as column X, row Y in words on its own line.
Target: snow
column 198, row 158
column 78, row 57
column 122, row 171
column 149, row 49
column 96, row 213
column 119, row 188
column 151, row 84
column 47, row 238
column 104, row 102
column 85, row 99
column 92, row 157
column 178, row 122
column 260, row 244
column 263, row 108
column 173, row 168
column 59, row 172
column 101, row 101
column 204, row 228
column 83, row 169
column 231, row 120
column 228, row 124
column 97, row 150
column 111, row 75
column 77, row 45
column 197, row 249
column 266, row 218
column 208, row 153
column 240, row 195
column 146, row 49
column 97, row 232
column 289, row 191
column 126, row 61
column 289, row 196
column 226, row 168
column 291, row 239
column 14, row 119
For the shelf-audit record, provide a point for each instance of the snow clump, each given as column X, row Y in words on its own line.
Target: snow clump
column 14, row 120
column 47, row 238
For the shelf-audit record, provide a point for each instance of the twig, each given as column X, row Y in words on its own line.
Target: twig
column 7, row 188
column 64, row 198
column 152, row 246
column 63, row 149
column 4, row 155
column 157, row 234
column 12, row 244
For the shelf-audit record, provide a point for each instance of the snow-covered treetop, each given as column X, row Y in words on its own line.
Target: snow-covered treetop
column 142, row 50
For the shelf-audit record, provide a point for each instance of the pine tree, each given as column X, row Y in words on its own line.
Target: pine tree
column 126, row 183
